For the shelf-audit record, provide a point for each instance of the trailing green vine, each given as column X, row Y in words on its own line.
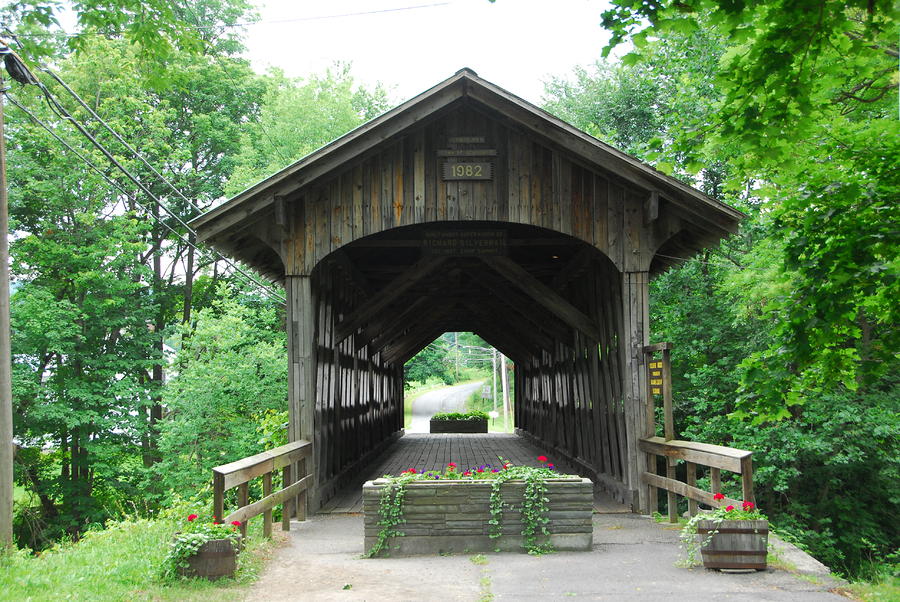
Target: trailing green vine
column 390, row 511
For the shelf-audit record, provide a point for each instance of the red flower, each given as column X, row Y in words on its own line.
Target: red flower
column 192, row 518
column 451, row 465
column 236, row 523
column 410, row 471
column 719, row 496
column 468, row 473
column 480, row 470
column 542, row 458
column 747, row 505
column 507, row 465
column 550, row 466
column 729, row 508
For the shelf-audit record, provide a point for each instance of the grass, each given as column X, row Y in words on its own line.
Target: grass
column 121, row 562
column 887, row 590
column 476, row 402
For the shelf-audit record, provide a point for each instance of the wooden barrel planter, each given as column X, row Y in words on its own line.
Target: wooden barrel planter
column 215, row 559
column 735, row 544
column 473, row 425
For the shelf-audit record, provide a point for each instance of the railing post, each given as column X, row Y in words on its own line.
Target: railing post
column 218, row 497
column 243, row 500
column 267, row 515
column 692, row 482
column 300, row 501
column 289, row 503
column 747, row 479
column 672, row 499
column 715, row 480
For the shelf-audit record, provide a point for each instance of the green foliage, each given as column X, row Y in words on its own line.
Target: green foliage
column 230, row 368
column 297, row 117
column 468, row 415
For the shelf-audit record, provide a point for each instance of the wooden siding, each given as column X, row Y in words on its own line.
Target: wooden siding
column 400, row 184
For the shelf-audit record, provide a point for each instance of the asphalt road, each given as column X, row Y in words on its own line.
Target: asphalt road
column 446, row 399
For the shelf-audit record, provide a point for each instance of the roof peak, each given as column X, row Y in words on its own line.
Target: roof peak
column 466, row 71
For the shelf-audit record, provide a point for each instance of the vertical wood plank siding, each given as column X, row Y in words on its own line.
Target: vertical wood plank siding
column 533, row 184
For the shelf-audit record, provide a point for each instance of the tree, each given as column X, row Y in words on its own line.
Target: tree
column 230, row 375
column 299, row 116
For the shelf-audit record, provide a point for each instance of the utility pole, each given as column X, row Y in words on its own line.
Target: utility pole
column 504, row 379
column 456, row 344
column 494, row 376
column 6, row 430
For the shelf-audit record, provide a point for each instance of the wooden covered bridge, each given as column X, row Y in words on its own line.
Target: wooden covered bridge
column 469, row 209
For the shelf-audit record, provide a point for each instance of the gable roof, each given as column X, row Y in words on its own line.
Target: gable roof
column 247, row 206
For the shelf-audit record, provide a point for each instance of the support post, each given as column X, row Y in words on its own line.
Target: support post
column 6, row 418
column 638, row 412
column 301, row 323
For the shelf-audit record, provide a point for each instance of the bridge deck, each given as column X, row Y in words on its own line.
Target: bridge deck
column 433, row 452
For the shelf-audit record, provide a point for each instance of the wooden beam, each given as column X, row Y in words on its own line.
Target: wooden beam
column 536, row 315
column 541, row 293
column 580, row 260
column 497, row 317
column 651, row 207
column 377, row 336
column 715, row 456
column 412, row 320
column 386, row 296
column 340, row 259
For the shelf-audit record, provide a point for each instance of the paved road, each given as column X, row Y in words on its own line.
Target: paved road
column 446, row 399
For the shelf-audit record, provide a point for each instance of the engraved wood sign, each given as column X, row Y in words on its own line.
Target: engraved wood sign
column 464, row 243
column 481, row 170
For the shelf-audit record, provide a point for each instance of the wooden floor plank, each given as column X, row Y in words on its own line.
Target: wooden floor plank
column 434, row 451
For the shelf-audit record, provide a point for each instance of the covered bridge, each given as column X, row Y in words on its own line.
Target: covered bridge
column 469, row 209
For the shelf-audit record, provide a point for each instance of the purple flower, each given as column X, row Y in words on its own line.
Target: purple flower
column 495, row 470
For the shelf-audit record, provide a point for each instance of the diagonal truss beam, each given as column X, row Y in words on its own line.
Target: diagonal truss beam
column 522, row 278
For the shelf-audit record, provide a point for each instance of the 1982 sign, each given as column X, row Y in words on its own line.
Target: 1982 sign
column 468, row 171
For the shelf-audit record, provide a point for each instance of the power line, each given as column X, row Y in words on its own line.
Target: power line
column 248, row 23
column 216, row 255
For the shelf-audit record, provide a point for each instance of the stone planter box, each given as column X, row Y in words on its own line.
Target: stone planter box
column 736, row 544
column 452, row 516
column 475, row 425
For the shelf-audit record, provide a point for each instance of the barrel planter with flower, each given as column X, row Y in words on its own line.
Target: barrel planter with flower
column 729, row 537
column 205, row 549
column 478, row 510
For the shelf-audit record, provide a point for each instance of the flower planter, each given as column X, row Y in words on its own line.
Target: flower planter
column 215, row 559
column 452, row 516
column 474, row 425
column 735, row 544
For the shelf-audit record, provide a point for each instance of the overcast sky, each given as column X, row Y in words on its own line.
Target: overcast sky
column 410, row 45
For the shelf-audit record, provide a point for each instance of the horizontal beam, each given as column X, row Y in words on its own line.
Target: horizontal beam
column 657, row 347
column 716, row 456
column 243, row 470
column 685, row 490
column 270, row 501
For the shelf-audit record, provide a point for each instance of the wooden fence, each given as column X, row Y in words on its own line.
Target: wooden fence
column 293, row 487
column 714, row 457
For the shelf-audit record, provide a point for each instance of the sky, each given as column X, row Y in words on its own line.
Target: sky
column 411, row 45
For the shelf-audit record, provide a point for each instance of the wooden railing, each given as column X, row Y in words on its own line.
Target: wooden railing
column 292, row 494
column 716, row 457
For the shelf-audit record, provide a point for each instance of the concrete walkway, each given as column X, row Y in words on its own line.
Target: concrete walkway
column 633, row 558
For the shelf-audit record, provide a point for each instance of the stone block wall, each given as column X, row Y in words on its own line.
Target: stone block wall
column 452, row 516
